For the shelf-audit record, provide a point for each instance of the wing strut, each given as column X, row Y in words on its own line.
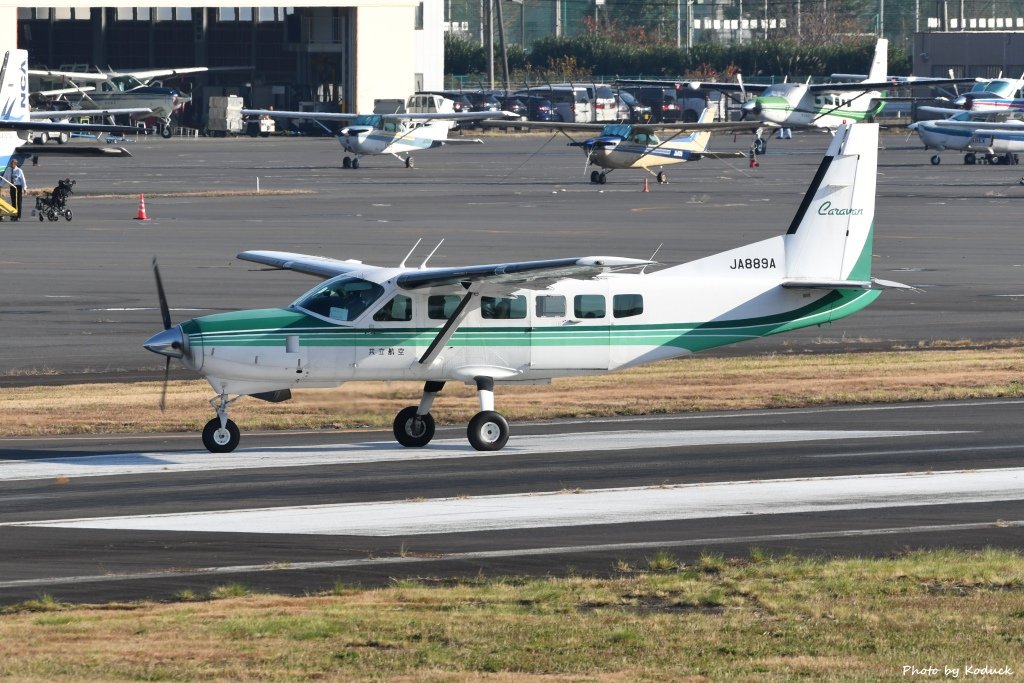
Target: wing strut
column 436, row 346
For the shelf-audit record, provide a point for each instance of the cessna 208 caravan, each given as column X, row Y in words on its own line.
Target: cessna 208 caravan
column 531, row 321
column 424, row 125
column 637, row 145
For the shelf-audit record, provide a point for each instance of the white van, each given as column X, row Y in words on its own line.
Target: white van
column 572, row 102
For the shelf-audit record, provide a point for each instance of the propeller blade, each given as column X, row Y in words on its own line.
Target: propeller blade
column 167, row 377
column 165, row 311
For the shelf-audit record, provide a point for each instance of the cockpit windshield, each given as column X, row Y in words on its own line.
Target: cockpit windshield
column 343, row 299
column 369, row 120
column 998, row 88
column 621, row 130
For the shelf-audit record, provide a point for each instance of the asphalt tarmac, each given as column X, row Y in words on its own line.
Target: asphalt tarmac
column 151, row 516
column 79, row 298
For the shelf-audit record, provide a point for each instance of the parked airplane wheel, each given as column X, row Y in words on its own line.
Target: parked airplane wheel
column 346, row 163
column 40, row 216
column 219, row 439
column 970, row 159
column 594, row 177
column 165, row 131
column 760, row 146
column 602, row 178
column 488, row 431
column 994, row 159
column 67, row 214
column 412, row 431
column 408, row 162
column 355, row 163
column 662, row 178
column 936, row 160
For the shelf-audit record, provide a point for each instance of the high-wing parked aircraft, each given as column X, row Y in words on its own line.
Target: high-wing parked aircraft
column 985, row 135
column 532, row 321
column 396, row 134
column 813, row 105
column 125, row 89
column 17, row 122
column 637, row 145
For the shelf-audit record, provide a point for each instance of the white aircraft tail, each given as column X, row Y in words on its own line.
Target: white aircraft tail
column 880, row 64
column 699, row 139
column 830, row 238
column 13, row 99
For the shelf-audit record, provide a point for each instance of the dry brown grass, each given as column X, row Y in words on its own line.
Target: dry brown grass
column 695, row 384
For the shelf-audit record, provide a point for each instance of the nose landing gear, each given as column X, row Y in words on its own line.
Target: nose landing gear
column 221, row 435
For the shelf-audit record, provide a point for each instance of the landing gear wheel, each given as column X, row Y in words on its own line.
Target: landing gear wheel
column 969, row 159
column 67, row 214
column 63, row 138
column 936, row 160
column 411, row 430
column 409, row 162
column 602, row 178
column 355, row 163
column 662, row 178
column 488, row 431
column 219, row 439
column 594, row 177
column 995, row 159
column 760, row 145
column 346, row 163
column 40, row 216
column 165, row 131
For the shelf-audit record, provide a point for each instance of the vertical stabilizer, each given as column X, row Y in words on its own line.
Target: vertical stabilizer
column 830, row 237
column 13, row 100
column 701, row 138
column 880, row 64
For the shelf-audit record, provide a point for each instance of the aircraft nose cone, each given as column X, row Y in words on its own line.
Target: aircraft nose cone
column 169, row 343
column 752, row 107
column 961, row 101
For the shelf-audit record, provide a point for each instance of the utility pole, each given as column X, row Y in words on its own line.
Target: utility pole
column 489, row 4
column 558, row 18
column 504, row 49
column 689, row 26
column 679, row 24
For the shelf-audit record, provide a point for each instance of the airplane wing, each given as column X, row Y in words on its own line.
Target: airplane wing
column 72, row 151
column 318, row 266
column 69, row 75
column 508, row 277
column 157, row 73
column 321, row 115
column 63, row 114
column 331, row 116
column 945, row 111
column 64, row 91
column 905, row 80
column 641, row 127
column 39, row 126
column 698, row 85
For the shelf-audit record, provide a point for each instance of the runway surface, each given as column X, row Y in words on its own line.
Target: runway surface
column 152, row 516
column 79, row 297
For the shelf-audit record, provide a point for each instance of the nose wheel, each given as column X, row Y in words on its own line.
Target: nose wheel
column 221, row 435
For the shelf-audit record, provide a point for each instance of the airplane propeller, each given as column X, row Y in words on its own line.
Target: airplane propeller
column 170, row 342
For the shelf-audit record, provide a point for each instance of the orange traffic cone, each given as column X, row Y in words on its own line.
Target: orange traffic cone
column 141, row 215
column 647, row 187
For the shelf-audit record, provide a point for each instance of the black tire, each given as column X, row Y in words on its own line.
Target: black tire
column 412, row 431
column 165, row 131
column 602, row 178
column 346, row 162
column 355, row 163
column 488, row 431
column 594, row 177
column 995, row 159
column 760, row 146
column 969, row 159
column 40, row 216
column 68, row 215
column 662, row 178
column 936, row 160
column 409, row 162
column 219, row 440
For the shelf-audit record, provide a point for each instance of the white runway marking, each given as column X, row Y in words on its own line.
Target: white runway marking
column 578, row 508
column 388, row 451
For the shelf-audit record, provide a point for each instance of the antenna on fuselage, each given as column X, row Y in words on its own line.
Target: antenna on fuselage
column 642, row 270
column 424, row 264
column 402, row 264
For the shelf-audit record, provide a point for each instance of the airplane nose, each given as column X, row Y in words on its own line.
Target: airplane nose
column 960, row 101
column 170, row 342
column 752, row 107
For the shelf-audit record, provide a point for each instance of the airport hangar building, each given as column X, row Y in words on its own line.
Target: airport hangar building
column 336, row 55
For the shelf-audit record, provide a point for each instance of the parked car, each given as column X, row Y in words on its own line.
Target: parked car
column 631, row 109
column 482, row 101
column 572, row 103
column 662, row 101
column 514, row 105
column 538, row 108
column 605, row 103
column 460, row 102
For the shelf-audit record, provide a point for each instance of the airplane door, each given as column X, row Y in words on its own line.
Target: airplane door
column 391, row 346
column 570, row 332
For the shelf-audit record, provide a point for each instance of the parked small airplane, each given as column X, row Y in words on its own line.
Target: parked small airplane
column 531, row 321
column 984, row 135
column 17, row 123
column 422, row 126
column 812, row 105
column 637, row 145
column 125, row 89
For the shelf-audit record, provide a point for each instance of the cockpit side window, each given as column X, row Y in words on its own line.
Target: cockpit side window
column 343, row 299
column 399, row 309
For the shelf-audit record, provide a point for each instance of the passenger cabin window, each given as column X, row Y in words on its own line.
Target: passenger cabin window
column 627, row 305
column 343, row 299
column 503, row 308
column 441, row 306
column 588, row 306
column 550, row 306
column 398, row 309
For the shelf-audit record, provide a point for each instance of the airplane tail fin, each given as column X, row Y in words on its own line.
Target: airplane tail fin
column 880, row 64
column 701, row 138
column 830, row 238
column 14, row 86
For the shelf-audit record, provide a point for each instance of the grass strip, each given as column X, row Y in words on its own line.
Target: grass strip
column 759, row 618
column 695, row 384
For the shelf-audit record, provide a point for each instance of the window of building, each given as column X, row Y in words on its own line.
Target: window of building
column 550, row 306
column 627, row 305
column 441, row 306
column 227, row 14
column 503, row 308
column 589, row 306
column 399, row 309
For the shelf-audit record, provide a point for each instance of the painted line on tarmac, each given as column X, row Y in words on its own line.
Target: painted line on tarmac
column 389, row 451
column 583, row 507
column 504, row 554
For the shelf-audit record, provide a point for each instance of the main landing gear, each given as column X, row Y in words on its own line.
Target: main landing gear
column 221, row 435
column 350, row 162
column 487, row 431
column 599, row 177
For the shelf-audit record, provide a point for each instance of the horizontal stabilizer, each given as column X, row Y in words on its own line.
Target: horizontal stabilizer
column 873, row 283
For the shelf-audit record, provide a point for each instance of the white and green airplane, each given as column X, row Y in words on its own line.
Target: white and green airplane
column 531, row 321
